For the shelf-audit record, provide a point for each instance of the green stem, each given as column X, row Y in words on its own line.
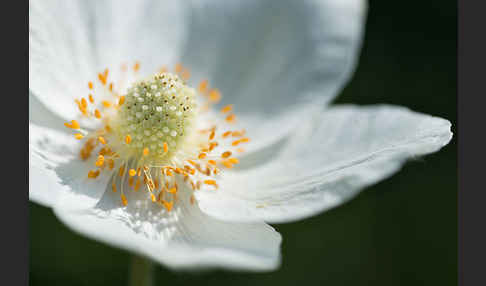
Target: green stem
column 141, row 272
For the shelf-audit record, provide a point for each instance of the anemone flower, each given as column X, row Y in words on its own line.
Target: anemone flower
column 178, row 130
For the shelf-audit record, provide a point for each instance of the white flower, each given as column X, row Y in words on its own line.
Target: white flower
column 278, row 63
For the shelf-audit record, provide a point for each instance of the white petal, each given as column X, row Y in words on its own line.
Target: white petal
column 70, row 41
column 54, row 165
column 183, row 238
column 272, row 56
column 326, row 162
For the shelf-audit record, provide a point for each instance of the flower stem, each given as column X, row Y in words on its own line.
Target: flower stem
column 141, row 272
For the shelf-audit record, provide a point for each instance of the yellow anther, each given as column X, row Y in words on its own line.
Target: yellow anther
column 91, row 99
column 97, row 113
column 93, row 174
column 216, row 171
column 108, row 128
column 211, row 135
column 186, row 74
column 136, row 67
column 121, row 100
column 124, row 199
column 214, row 95
column 230, row 118
column 106, row 103
column 84, row 103
column 90, row 85
column 113, row 187
column 121, row 170
column 172, row 190
column 168, row 205
column 146, row 151
column 111, row 86
column 137, row 185
column 132, row 172
column 211, row 183
column 166, row 147
column 102, row 140
column 100, row 161
column 238, row 133
column 73, row 125
column 130, row 181
column 240, row 150
column 78, row 136
column 227, row 108
column 128, row 139
column 227, row 164
column 226, row 134
column 203, row 86
column 212, row 162
column 178, row 68
column 233, row 160
column 152, row 197
column 202, row 156
column 102, row 78
column 213, row 145
column 226, row 154
column 111, row 164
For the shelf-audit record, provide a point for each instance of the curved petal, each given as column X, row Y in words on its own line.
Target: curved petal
column 182, row 238
column 328, row 160
column 271, row 56
column 70, row 41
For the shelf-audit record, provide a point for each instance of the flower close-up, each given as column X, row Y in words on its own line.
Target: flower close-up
column 180, row 130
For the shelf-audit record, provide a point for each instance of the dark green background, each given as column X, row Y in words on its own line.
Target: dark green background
column 401, row 231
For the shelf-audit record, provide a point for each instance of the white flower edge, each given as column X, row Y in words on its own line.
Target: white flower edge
column 333, row 156
column 309, row 55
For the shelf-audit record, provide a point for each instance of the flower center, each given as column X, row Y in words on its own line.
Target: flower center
column 156, row 117
column 152, row 137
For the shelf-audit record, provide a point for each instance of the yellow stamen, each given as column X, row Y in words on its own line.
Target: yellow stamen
column 106, row 103
column 146, row 151
column 166, row 147
column 91, row 99
column 93, row 174
column 121, row 170
column 128, row 139
column 121, row 101
column 78, row 136
column 168, row 205
column 230, row 118
column 202, row 156
column 137, row 185
column 90, row 85
column 124, row 199
column 214, row 95
column 113, row 187
column 84, row 103
column 226, row 154
column 97, row 113
column 100, row 161
column 233, row 160
column 136, row 67
column 227, row 108
column 132, row 172
column 73, row 125
column 102, row 140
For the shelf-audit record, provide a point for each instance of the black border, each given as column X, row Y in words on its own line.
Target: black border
column 471, row 142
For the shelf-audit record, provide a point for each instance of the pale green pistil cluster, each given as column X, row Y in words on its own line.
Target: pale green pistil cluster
column 156, row 112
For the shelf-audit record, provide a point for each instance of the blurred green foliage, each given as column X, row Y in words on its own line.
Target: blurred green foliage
column 401, row 231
